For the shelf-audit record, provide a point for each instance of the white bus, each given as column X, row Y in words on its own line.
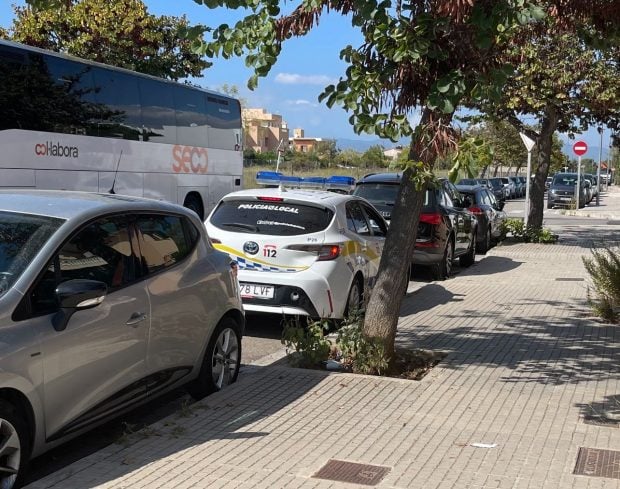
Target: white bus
column 67, row 123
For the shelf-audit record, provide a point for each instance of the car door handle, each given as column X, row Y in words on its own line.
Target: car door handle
column 135, row 318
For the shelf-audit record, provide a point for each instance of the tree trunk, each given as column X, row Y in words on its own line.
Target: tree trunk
column 383, row 308
column 537, row 188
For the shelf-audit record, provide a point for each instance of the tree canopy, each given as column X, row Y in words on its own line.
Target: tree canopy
column 116, row 32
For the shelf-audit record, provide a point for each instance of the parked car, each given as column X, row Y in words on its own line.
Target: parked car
column 562, row 191
column 523, row 184
column 489, row 213
column 593, row 185
column 447, row 230
column 300, row 252
column 105, row 302
column 509, row 187
column 518, row 185
column 497, row 186
column 548, row 182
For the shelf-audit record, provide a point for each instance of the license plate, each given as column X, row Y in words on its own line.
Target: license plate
column 565, row 198
column 256, row 291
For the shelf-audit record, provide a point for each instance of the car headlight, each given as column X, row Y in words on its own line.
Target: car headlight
column 551, row 191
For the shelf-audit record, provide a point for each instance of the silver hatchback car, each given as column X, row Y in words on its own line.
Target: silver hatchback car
column 105, row 302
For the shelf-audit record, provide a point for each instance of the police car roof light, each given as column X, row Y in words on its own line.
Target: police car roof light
column 335, row 182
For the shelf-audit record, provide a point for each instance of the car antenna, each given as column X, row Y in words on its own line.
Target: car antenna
column 111, row 191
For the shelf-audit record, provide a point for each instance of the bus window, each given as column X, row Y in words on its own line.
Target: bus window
column 158, row 116
column 223, row 115
column 117, row 99
column 191, row 115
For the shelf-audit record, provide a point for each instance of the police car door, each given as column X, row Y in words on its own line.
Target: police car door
column 357, row 251
column 378, row 228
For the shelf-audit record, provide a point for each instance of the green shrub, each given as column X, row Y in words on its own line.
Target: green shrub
column 604, row 270
column 358, row 353
column 516, row 228
column 308, row 340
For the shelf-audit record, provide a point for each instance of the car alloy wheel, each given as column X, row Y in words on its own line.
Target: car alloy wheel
column 225, row 358
column 13, row 446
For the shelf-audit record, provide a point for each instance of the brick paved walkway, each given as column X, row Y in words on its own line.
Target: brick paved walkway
column 526, row 364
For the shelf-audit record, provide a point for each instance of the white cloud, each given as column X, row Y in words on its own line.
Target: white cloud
column 295, row 79
column 300, row 103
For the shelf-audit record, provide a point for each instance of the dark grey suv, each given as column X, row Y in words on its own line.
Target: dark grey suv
column 105, row 302
column 447, row 230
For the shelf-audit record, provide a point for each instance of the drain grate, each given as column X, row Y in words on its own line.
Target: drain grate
column 569, row 279
column 596, row 462
column 354, row 473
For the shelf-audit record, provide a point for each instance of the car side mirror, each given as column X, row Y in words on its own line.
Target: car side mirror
column 76, row 295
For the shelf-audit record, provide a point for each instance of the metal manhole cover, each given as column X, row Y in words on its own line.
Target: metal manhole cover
column 354, row 473
column 596, row 462
column 569, row 279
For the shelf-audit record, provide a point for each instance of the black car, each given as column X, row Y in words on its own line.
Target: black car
column 447, row 230
column 489, row 213
column 497, row 186
column 562, row 191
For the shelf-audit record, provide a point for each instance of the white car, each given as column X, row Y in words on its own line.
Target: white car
column 300, row 252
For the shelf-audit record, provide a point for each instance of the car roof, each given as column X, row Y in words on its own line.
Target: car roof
column 381, row 178
column 469, row 188
column 323, row 197
column 68, row 204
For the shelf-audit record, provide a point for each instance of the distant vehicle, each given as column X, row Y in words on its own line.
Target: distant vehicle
column 467, row 181
column 548, row 182
column 519, row 187
column 447, row 230
column 497, row 186
column 300, row 252
column 509, row 187
column 106, row 302
column 80, row 125
column 562, row 191
column 593, row 185
column 489, row 213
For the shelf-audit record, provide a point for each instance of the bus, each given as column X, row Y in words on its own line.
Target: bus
column 67, row 123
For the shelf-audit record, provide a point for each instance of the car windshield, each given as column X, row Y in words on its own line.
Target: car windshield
column 381, row 193
column 21, row 237
column 565, row 179
column 467, row 181
column 270, row 217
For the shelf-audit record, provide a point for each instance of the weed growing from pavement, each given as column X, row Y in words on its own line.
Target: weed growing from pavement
column 517, row 229
column 132, row 432
column 350, row 351
column 604, row 270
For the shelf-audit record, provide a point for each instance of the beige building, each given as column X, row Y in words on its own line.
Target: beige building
column 301, row 143
column 263, row 131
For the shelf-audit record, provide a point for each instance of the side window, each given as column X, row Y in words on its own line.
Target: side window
column 223, row 114
column 191, row 113
column 356, row 221
column 101, row 251
column 163, row 241
column 376, row 222
column 158, row 112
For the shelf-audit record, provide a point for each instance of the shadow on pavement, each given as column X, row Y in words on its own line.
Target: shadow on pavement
column 225, row 415
column 604, row 413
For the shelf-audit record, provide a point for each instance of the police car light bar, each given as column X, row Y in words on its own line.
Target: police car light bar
column 336, row 183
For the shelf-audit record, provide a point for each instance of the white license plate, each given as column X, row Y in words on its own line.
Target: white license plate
column 565, row 198
column 256, row 291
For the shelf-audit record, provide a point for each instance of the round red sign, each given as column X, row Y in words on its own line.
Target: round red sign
column 580, row 148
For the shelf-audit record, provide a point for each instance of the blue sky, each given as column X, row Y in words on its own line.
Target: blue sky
column 304, row 68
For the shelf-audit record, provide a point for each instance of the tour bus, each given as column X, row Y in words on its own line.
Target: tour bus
column 72, row 124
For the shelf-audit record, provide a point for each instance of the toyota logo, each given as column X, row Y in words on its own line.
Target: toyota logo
column 250, row 247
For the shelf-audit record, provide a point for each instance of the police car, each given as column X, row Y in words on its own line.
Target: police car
column 300, row 251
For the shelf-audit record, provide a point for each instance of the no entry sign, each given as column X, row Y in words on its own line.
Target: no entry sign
column 580, row 148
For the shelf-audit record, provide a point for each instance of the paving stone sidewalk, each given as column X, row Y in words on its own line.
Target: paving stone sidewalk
column 527, row 366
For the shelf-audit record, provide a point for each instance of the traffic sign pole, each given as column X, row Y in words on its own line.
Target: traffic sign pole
column 578, row 184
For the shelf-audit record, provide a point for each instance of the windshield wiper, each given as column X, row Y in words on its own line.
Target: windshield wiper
column 241, row 225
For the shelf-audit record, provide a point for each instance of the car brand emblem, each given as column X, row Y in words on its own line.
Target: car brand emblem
column 250, row 247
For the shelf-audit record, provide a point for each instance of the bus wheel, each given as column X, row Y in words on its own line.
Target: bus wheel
column 194, row 203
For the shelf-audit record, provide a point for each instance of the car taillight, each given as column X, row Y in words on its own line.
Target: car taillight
column 433, row 218
column 324, row 252
column 215, row 241
column 271, row 199
column 476, row 210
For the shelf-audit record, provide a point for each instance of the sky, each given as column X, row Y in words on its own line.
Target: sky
column 306, row 65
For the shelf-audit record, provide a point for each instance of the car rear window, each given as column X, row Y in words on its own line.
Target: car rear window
column 273, row 218
column 381, row 193
column 565, row 179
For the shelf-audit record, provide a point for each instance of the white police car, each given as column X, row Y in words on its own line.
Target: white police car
column 300, row 252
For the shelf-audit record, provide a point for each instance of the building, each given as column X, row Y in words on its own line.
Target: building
column 301, row 143
column 393, row 153
column 263, row 131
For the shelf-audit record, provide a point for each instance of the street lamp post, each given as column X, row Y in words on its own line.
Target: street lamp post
column 598, row 170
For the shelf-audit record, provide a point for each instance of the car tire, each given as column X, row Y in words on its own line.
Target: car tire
column 15, row 447
column 443, row 269
column 486, row 244
column 549, row 205
column 469, row 258
column 354, row 300
column 220, row 365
